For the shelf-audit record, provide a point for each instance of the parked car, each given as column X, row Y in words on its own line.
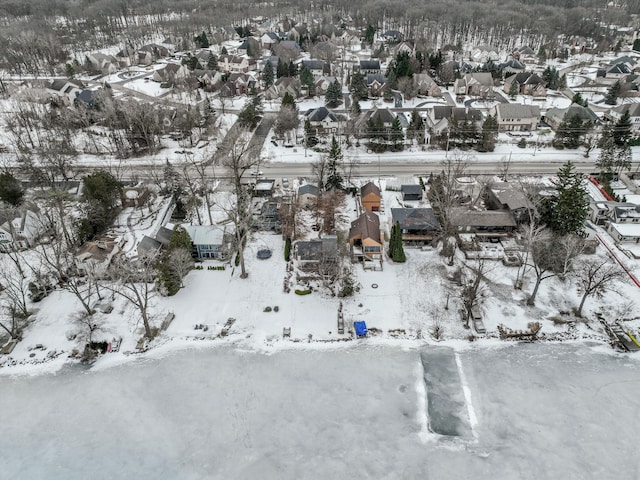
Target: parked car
column 257, row 173
column 285, row 183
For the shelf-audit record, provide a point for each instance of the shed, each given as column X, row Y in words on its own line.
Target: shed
column 411, row 192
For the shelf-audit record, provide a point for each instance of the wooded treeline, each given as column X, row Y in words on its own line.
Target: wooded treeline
column 48, row 31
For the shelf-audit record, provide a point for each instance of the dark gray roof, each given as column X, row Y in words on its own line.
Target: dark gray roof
column 415, row 218
column 164, row 235
column 517, row 110
column 148, row 244
column 370, row 64
column 315, row 250
column 368, row 188
column 376, row 77
column 313, row 64
column 411, row 189
column 633, row 108
column 463, row 217
column 308, row 189
column 366, row 225
column 459, row 113
column 319, row 114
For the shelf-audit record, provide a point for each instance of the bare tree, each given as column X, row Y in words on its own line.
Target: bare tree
column 443, row 193
column 350, row 168
column 89, row 324
column 200, row 168
column 596, row 277
column 16, row 285
column 241, row 157
column 287, row 122
column 13, row 326
column 319, row 170
column 193, row 189
column 471, row 289
column 436, row 329
column 180, row 261
column 134, row 281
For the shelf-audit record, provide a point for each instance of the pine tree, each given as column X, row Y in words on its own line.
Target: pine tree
column 355, row 109
column 212, row 62
column 513, row 89
column 565, row 212
column 334, row 179
column 358, row 87
column 267, row 75
column 489, row 134
column 288, row 101
column 282, row 69
column 292, row 70
column 396, row 249
column 612, row 95
column 397, row 135
column 333, row 96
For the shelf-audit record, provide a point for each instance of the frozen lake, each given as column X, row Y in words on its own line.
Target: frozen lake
column 541, row 411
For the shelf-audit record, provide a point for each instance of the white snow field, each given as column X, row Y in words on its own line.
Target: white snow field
column 541, row 411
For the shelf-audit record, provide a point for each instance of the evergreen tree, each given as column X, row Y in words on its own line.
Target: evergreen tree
column 358, row 87
column 577, row 98
column 552, row 77
column 333, row 97
column 288, row 101
column 415, row 130
column 397, row 135
column 282, row 69
column 355, row 109
column 306, row 79
column 621, row 131
column 212, row 62
column 202, row 41
column 250, row 114
column 565, row 212
column 224, row 51
column 636, row 44
column 369, row 35
column 489, row 134
column 292, row 70
column 193, row 63
column 396, row 249
column 570, row 132
column 11, row 190
column 613, row 93
column 334, row 163
column 513, row 89
column 267, row 75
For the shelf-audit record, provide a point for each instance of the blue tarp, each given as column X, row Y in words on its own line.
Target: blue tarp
column 361, row 328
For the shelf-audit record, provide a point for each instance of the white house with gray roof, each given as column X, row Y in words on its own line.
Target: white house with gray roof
column 210, row 241
column 515, row 117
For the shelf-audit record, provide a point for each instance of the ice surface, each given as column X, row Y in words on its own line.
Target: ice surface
column 543, row 411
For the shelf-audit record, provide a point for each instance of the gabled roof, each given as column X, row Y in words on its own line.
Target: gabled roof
column 510, row 197
column 315, row 250
column 457, row 113
column 376, row 77
column 513, row 64
column 368, row 188
column 320, row 114
column 366, row 225
column 148, row 245
column 525, row 50
column 164, row 236
column 308, row 189
column 205, row 234
column 463, row 217
column 633, row 108
column 627, row 211
column 571, row 111
column 415, row 218
column 517, row 110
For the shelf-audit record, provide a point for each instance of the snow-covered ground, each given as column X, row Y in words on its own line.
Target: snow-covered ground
column 526, row 412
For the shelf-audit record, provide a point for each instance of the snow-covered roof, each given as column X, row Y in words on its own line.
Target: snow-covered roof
column 205, row 234
column 626, row 229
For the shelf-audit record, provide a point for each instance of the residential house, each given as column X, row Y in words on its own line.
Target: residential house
column 477, row 84
column 525, row 54
column 316, row 67
column 264, row 187
column 411, row 192
column 123, row 57
column 440, row 118
column 425, row 85
column 515, row 117
column 624, row 232
column 170, row 73
column 418, row 225
column 21, row 228
column 625, row 213
column 269, row 39
column 365, row 238
column 249, row 46
column 323, row 120
column 391, row 36
column 206, row 78
column 291, row 47
column 65, row 90
column 510, row 67
column 241, row 83
column 290, row 85
column 527, row 84
column 298, row 33
column 320, row 255
column 406, row 46
column 511, row 198
column 369, row 67
column 616, row 113
column 269, row 218
column 484, row 53
column 308, row 195
column 378, row 116
column 370, row 197
column 618, row 70
column 321, row 84
column 555, row 116
column 95, row 256
column 236, row 64
column 483, row 223
column 148, row 54
column 375, row 84
column 106, row 64
column 210, row 241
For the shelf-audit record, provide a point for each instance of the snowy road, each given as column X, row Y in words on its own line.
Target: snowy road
column 542, row 411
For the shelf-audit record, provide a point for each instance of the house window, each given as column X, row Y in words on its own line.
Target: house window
column 372, row 249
